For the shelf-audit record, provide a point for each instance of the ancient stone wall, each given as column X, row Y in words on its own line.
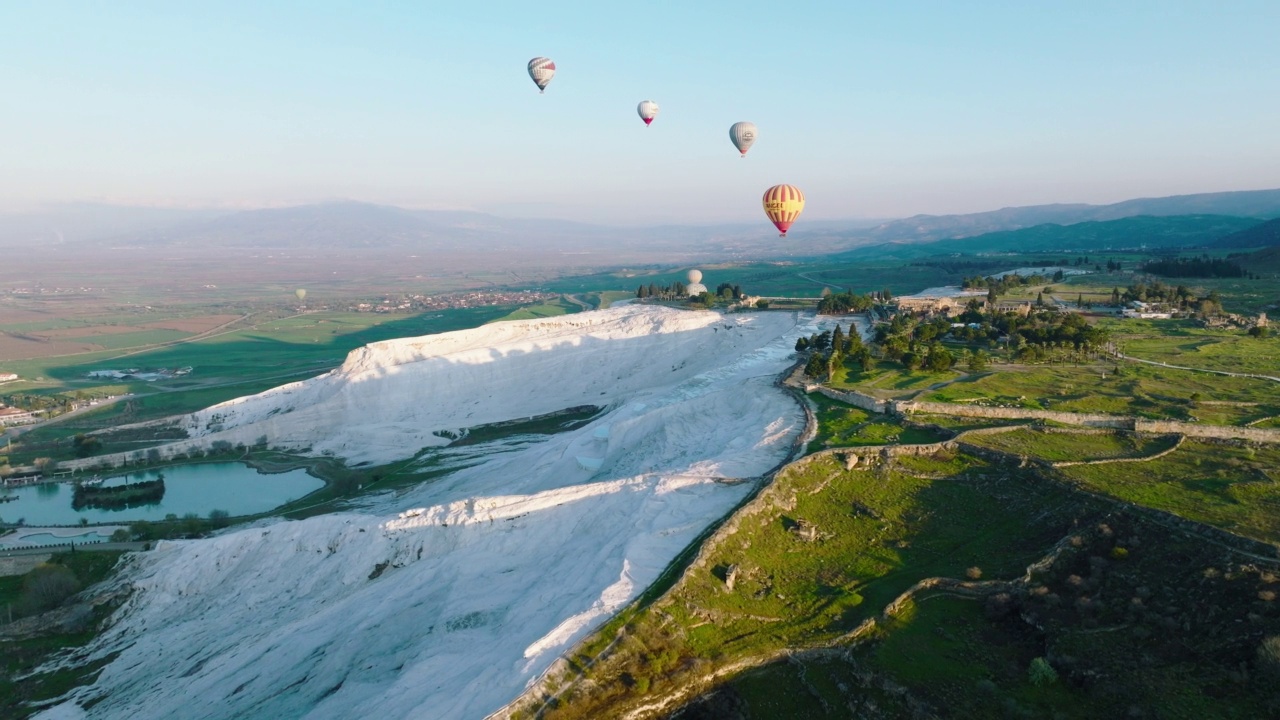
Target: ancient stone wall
column 856, row 399
column 1221, row 432
column 907, row 407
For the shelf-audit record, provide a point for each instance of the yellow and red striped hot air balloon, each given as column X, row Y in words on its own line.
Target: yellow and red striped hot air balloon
column 783, row 204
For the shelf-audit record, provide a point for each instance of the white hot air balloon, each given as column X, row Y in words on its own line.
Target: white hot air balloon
column 695, row 276
column 300, row 293
column 542, row 70
column 648, row 110
column 743, row 135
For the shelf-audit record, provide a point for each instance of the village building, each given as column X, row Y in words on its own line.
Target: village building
column 931, row 305
column 1021, row 307
column 15, row 416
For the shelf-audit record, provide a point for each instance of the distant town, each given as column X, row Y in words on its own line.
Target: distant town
column 419, row 303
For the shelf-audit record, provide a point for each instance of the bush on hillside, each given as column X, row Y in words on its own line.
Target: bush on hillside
column 45, row 588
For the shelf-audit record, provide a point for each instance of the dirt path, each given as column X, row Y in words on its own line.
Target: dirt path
column 825, row 284
column 1203, row 370
column 574, row 299
column 211, row 332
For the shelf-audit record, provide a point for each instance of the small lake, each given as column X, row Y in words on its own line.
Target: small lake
column 234, row 487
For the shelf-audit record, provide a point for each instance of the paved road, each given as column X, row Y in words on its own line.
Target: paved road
column 17, row 430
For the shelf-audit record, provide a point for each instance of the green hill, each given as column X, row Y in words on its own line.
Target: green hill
column 1144, row 231
column 1266, row 260
column 1265, row 235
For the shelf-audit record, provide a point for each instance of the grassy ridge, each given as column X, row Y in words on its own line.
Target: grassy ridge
column 1137, row 620
column 18, row 687
column 839, row 546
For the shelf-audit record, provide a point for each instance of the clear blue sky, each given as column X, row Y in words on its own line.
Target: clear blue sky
column 874, row 109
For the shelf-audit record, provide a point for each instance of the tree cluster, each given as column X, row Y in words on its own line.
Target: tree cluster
column 119, row 497
column 28, row 401
column 1180, row 297
column 833, row 348
column 673, row 291
column 1037, row 337
column 1002, row 285
column 726, row 291
column 85, row 445
column 914, row 343
column 845, row 302
column 1201, row 267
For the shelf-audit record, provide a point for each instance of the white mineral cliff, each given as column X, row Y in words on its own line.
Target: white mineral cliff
column 447, row 600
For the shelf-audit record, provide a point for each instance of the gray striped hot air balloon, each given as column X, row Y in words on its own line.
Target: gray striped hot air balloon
column 542, row 70
column 743, row 135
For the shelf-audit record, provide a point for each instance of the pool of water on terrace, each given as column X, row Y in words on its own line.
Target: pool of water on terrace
column 197, row 488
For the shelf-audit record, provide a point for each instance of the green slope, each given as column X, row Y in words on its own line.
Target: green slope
column 1126, row 233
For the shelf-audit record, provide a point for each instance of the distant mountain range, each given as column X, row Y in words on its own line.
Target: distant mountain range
column 342, row 226
column 1260, row 204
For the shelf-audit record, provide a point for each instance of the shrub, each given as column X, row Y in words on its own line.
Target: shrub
column 1041, row 673
column 1119, row 553
column 45, row 587
column 973, row 573
column 642, row 685
column 1269, row 656
column 219, row 518
column 999, row 605
column 120, row 535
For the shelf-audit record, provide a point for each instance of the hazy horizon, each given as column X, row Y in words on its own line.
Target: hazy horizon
column 875, row 112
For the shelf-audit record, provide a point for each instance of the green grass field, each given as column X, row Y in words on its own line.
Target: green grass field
column 549, row 308
column 1070, row 446
column 1234, row 488
column 1184, row 343
column 841, row 425
column 890, row 379
column 1128, row 389
column 231, row 365
column 267, row 348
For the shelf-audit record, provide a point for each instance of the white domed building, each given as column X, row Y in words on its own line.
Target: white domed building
column 695, row 286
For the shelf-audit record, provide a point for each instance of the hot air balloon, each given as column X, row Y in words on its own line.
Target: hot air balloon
column 542, row 70
column 743, row 135
column 301, row 293
column 695, row 276
column 648, row 110
column 783, row 204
